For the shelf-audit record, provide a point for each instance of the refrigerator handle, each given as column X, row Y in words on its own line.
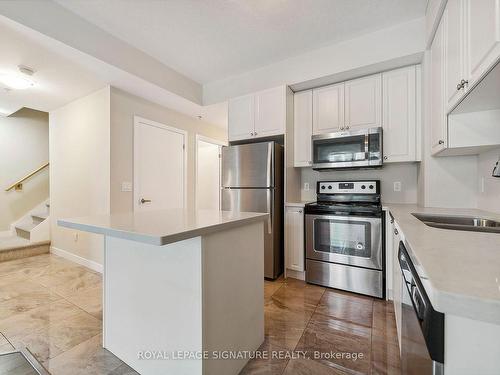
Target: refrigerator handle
column 270, row 202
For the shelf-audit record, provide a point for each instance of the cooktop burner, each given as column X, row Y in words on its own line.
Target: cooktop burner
column 347, row 197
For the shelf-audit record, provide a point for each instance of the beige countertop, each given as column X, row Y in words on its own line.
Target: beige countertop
column 460, row 270
column 163, row 226
column 297, row 204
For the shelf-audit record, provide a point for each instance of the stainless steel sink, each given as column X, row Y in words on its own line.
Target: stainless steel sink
column 470, row 223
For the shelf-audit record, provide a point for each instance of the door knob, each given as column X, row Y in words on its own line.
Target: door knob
column 441, row 142
column 145, row 201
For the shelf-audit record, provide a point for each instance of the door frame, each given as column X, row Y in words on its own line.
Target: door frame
column 141, row 120
column 206, row 139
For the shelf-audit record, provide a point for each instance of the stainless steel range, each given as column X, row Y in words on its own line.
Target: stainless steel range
column 343, row 232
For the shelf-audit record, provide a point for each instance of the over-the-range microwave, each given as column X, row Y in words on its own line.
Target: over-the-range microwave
column 348, row 149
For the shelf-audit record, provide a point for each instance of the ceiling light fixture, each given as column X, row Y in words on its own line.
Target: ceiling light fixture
column 18, row 81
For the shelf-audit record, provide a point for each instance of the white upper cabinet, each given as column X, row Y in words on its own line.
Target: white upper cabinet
column 241, row 116
column 302, row 123
column 270, row 112
column 399, row 114
column 328, row 109
column 472, row 44
column 439, row 138
column 454, row 29
column 483, row 36
column 363, row 103
column 262, row 114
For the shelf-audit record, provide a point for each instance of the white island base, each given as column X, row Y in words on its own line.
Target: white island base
column 166, row 306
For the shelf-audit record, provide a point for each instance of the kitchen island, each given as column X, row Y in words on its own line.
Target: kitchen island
column 182, row 288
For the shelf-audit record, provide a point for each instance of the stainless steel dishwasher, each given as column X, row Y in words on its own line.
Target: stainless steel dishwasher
column 422, row 336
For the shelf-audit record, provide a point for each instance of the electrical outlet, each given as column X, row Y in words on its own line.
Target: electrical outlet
column 75, row 236
column 306, row 186
column 397, row 185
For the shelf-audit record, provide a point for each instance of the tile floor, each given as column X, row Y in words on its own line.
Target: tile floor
column 317, row 321
column 53, row 307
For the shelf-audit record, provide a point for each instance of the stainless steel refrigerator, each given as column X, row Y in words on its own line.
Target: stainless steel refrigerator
column 252, row 180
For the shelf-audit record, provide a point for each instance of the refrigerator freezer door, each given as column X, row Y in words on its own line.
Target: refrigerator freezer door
column 260, row 200
column 248, row 166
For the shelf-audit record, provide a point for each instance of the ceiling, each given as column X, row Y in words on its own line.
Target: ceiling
column 63, row 74
column 209, row 40
column 57, row 80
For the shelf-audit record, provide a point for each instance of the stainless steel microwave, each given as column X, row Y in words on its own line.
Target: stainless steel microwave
column 348, row 149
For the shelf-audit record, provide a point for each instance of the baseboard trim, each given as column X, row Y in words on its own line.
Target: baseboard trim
column 77, row 259
column 299, row 275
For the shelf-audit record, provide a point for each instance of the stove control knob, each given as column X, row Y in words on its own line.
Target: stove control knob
column 323, row 187
column 330, row 187
column 363, row 187
column 371, row 186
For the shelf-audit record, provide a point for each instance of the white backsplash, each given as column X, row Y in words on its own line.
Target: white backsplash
column 489, row 199
column 406, row 173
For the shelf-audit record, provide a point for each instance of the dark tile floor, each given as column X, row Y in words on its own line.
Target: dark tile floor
column 53, row 307
column 326, row 331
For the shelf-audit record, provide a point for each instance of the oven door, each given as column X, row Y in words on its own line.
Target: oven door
column 347, row 149
column 351, row 240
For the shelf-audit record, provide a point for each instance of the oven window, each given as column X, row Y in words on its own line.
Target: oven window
column 343, row 237
column 339, row 149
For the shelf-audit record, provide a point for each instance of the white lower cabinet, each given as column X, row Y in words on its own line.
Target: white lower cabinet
column 294, row 238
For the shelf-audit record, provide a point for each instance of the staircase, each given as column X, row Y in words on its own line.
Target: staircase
column 29, row 236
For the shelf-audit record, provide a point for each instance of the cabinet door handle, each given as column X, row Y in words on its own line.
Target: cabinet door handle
column 385, row 158
column 300, row 211
column 392, row 220
column 462, row 84
column 255, row 133
column 441, row 142
column 396, row 231
column 347, row 127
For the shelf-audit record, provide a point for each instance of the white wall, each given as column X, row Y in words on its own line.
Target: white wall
column 384, row 45
column 449, row 182
column 80, row 170
column 406, row 173
column 123, row 108
column 489, row 199
column 24, row 146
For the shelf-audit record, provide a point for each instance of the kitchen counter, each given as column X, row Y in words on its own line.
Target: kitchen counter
column 179, row 281
column 163, row 226
column 297, row 204
column 460, row 270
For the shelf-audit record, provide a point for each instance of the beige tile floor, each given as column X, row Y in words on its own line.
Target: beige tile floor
column 53, row 307
column 302, row 318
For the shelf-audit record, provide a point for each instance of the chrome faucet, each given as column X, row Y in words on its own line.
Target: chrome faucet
column 496, row 169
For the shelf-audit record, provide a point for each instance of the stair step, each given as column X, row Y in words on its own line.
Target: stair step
column 23, row 230
column 39, row 217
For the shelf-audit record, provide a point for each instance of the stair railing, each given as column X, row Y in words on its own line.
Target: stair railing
column 18, row 185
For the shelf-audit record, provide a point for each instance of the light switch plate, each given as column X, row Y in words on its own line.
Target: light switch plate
column 306, row 186
column 397, row 185
column 126, row 186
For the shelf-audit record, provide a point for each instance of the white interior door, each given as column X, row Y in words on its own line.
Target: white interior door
column 159, row 166
column 207, row 174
